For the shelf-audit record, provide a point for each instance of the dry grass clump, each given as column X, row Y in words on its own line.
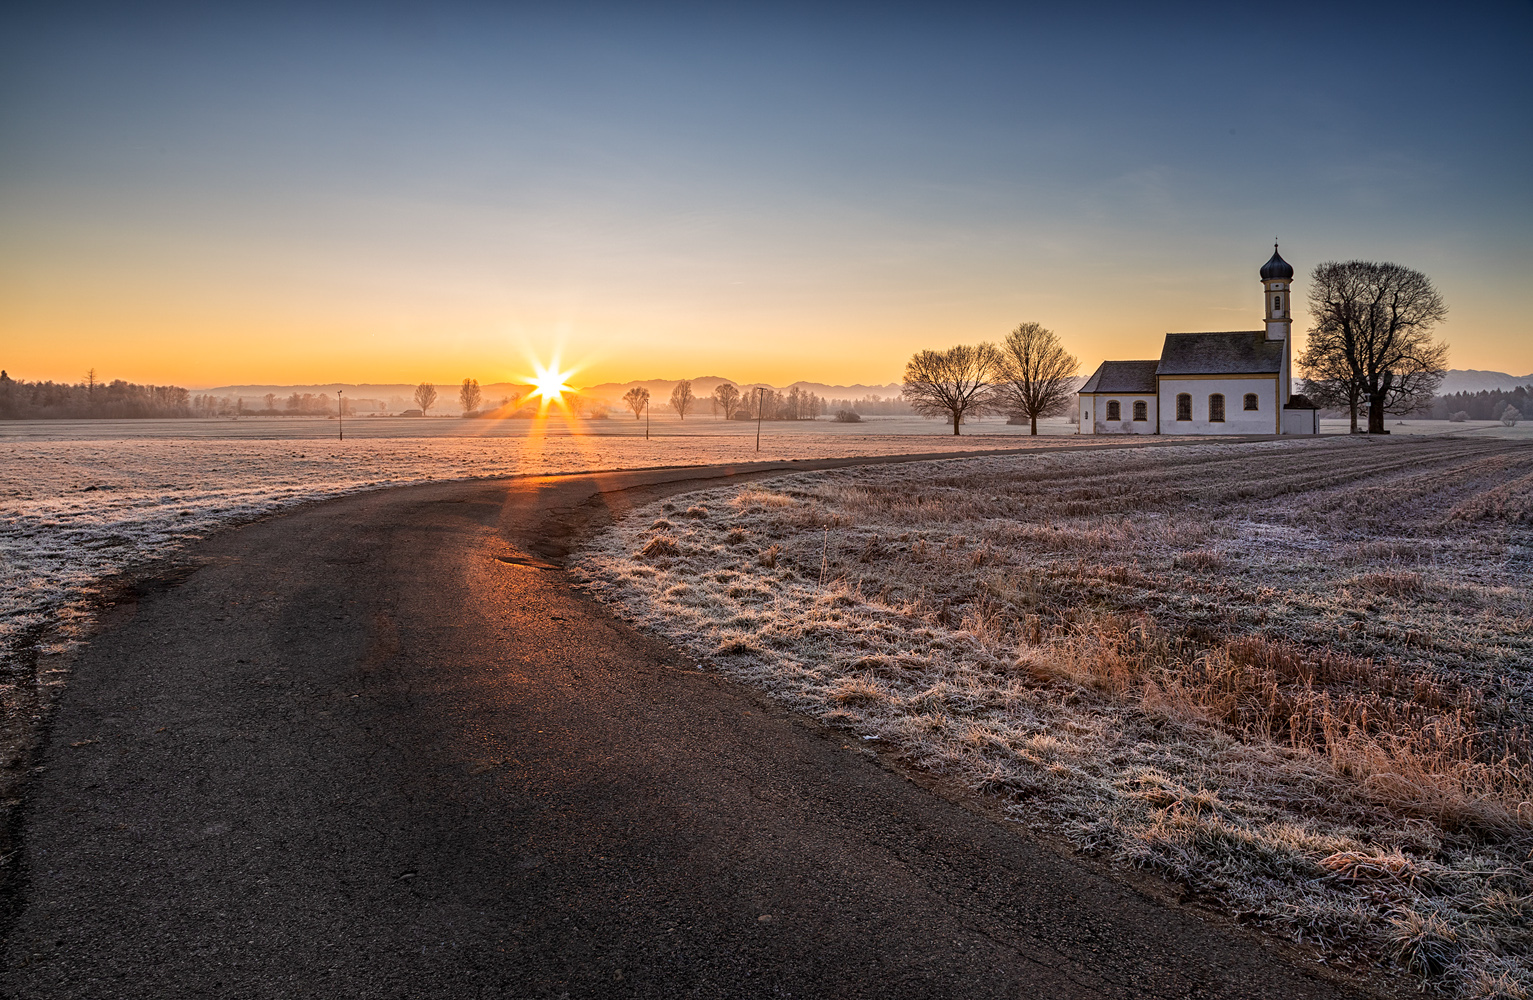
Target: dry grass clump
column 1204, row 560
column 1395, row 583
column 1293, row 676
column 660, row 546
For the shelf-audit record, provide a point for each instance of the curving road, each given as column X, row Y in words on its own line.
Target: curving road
column 380, row 747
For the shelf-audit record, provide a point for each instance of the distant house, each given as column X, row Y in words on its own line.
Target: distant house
column 1234, row 382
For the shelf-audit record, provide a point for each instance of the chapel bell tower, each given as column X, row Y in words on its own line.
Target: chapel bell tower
column 1277, row 281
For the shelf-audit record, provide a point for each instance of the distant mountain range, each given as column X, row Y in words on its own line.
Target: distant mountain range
column 1470, row 380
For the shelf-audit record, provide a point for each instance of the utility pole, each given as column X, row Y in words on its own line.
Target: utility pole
column 340, row 413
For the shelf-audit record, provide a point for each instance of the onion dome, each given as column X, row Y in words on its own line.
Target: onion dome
column 1277, row 269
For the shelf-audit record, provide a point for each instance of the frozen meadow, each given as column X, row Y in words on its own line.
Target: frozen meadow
column 82, row 500
column 1295, row 677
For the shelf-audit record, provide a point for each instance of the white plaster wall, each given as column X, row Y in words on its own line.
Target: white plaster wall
column 1236, row 420
column 1086, row 412
column 1126, row 408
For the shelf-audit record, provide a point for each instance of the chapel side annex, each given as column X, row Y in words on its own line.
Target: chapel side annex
column 1230, row 382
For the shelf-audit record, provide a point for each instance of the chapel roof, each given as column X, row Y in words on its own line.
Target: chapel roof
column 1123, row 376
column 1240, row 352
column 1299, row 401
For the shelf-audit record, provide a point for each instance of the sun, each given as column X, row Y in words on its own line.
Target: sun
column 549, row 382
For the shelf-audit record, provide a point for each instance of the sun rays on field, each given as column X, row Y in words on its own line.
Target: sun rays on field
column 548, row 389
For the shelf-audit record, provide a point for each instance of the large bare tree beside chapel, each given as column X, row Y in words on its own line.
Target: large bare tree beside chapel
column 1036, row 374
column 1372, row 339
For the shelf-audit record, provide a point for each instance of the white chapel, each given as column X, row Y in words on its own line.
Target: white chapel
column 1208, row 383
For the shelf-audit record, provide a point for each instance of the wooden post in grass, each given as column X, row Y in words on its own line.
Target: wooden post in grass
column 646, row 418
column 759, row 390
column 340, row 413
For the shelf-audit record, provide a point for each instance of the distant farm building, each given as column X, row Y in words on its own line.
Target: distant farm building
column 1208, row 383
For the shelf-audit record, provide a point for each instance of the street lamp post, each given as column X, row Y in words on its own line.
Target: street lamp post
column 759, row 391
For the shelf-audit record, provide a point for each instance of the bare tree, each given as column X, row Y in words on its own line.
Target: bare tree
column 271, row 401
column 955, row 383
column 425, row 396
column 1373, row 328
column 728, row 398
column 1037, row 375
column 636, row 398
column 469, row 395
column 682, row 398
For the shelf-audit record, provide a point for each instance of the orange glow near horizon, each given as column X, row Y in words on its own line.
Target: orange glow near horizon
column 164, row 325
column 847, row 336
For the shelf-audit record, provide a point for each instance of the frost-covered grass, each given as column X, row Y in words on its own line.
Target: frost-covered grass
column 73, row 511
column 81, row 500
column 1295, row 676
column 663, row 423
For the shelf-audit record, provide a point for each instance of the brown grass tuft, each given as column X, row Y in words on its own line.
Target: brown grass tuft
column 1203, row 560
column 1394, row 583
column 659, row 547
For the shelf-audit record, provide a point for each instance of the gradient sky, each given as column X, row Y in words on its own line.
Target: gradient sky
column 403, row 193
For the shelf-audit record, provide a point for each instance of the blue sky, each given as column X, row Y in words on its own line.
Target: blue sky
column 364, row 193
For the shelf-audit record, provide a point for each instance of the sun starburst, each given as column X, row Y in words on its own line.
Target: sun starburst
column 549, row 382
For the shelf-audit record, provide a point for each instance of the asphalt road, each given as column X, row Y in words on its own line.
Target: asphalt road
column 380, row 747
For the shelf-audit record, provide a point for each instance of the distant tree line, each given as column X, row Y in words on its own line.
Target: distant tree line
column 872, row 406
column 90, row 397
column 1488, row 404
column 761, row 403
column 299, row 404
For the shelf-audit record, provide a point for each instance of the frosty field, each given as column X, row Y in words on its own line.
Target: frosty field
column 81, row 500
column 1295, row 677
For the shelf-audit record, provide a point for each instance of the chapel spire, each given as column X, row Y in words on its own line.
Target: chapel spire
column 1277, row 277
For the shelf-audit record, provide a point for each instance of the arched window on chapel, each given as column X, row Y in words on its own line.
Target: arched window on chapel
column 1251, row 401
column 1141, row 410
column 1183, row 406
column 1114, row 411
column 1216, row 408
